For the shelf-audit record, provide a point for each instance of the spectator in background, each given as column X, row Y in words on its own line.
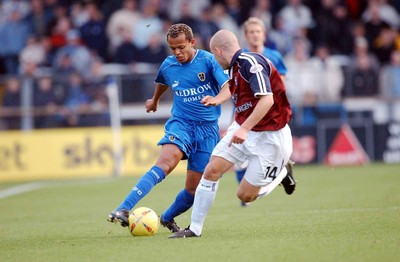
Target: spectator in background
column 33, row 52
column 361, row 48
column 45, row 101
column 121, row 24
column 76, row 102
column 262, row 10
column 11, row 103
column 109, row 7
column 149, row 24
column 195, row 6
column 29, row 70
column 79, row 54
column 99, row 105
column 384, row 10
column 78, row 14
column 186, row 16
column 363, row 78
column 223, row 19
column 93, row 32
column 329, row 75
column 374, row 24
column 127, row 53
column 357, row 31
column 332, row 23
column 302, row 87
column 278, row 35
column 155, row 52
column 58, row 34
column 234, row 10
column 9, row 6
column 62, row 70
column 297, row 17
column 355, row 8
column 390, row 77
column 63, row 64
column 385, row 43
column 13, row 35
column 96, row 73
column 39, row 18
column 207, row 27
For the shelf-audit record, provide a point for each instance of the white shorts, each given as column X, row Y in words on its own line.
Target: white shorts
column 267, row 153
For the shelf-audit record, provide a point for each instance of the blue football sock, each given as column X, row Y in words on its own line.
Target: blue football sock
column 240, row 174
column 154, row 176
column 183, row 201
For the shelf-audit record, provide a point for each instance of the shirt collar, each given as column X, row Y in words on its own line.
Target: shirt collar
column 235, row 57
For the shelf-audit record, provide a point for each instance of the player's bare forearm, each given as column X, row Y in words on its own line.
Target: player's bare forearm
column 258, row 113
column 223, row 96
column 159, row 91
column 152, row 103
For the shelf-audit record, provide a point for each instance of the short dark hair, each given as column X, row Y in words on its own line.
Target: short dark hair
column 177, row 29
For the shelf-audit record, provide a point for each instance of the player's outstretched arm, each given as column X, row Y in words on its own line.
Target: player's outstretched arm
column 152, row 103
column 224, row 95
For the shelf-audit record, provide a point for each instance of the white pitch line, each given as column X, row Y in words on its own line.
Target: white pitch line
column 28, row 187
column 16, row 190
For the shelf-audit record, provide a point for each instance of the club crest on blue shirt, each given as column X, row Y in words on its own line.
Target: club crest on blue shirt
column 201, row 76
column 171, row 138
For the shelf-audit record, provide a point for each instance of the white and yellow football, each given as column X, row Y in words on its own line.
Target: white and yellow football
column 143, row 221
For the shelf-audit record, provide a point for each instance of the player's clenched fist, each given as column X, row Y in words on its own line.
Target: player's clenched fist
column 151, row 106
column 209, row 101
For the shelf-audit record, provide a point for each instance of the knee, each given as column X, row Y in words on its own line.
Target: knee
column 168, row 163
column 212, row 173
column 245, row 196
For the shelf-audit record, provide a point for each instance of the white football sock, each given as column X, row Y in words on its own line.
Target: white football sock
column 203, row 199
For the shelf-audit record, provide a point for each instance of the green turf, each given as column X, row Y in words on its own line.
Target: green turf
column 335, row 214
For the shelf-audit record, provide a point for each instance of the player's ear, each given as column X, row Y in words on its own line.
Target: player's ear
column 193, row 42
column 218, row 51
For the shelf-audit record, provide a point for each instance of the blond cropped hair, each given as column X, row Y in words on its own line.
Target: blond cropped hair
column 253, row 20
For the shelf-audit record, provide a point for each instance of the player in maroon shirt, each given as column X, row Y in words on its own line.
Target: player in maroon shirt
column 259, row 134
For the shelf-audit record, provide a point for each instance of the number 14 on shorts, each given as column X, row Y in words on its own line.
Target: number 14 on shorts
column 271, row 172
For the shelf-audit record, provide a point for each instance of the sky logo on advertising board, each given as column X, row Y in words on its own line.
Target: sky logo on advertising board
column 89, row 153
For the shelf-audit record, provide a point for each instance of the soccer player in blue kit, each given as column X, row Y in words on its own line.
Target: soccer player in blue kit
column 192, row 131
column 256, row 35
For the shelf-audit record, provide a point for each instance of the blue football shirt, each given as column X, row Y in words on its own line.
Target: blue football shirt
column 190, row 82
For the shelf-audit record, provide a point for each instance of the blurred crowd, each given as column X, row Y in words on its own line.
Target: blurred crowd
column 332, row 48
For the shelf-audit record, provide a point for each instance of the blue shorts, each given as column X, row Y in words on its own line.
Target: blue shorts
column 196, row 140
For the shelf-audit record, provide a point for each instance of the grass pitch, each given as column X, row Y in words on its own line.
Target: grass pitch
column 335, row 214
